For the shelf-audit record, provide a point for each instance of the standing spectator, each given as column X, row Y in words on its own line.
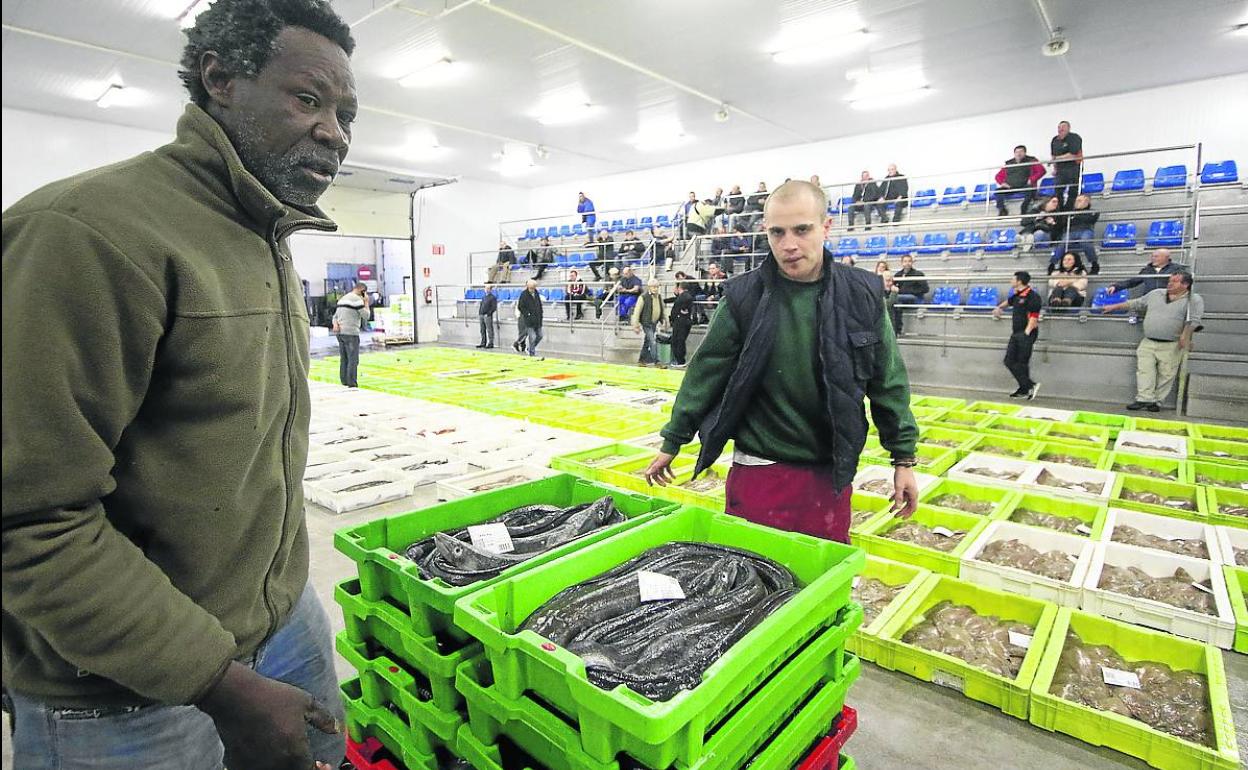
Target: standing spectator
column 529, row 307
column 349, row 317
column 682, row 322
column 1067, row 151
column 701, row 217
column 1079, row 235
column 1155, row 275
column 1025, row 327
column 1171, row 316
column 895, row 188
column 543, row 257
column 717, row 199
column 1044, row 226
column 912, row 289
column 664, row 251
column 1068, row 282
column 648, row 313
column 866, row 196
column 631, row 248
column 577, row 293
column 1021, row 172
column 502, row 266
column 754, row 206
column 686, row 215
column 734, row 204
column 486, row 316
column 585, row 207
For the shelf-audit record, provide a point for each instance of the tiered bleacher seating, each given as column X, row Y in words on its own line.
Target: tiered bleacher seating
column 1047, row 187
column 947, row 295
column 923, row 199
column 1001, row 240
column 1129, row 180
column 934, row 243
column 847, row 247
column 874, row 247
column 983, row 192
column 1167, row 232
column 1219, row 172
column 982, row 296
column 967, row 241
column 1168, row 177
column 953, row 196
column 1119, row 235
column 1093, row 184
column 904, row 244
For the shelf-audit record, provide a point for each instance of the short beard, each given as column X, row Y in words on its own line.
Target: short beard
column 281, row 175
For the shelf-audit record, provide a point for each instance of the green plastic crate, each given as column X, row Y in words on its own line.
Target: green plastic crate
column 1156, row 425
column 1215, row 497
column 865, row 643
column 610, row 721
column 1167, row 489
column 992, row 407
column 1218, row 475
column 963, row 419
column 1220, row 432
column 1219, row 451
column 1237, row 588
column 364, row 722
column 1000, row 497
column 1010, row 695
column 943, row 401
column 1050, row 452
column 928, row 413
column 588, row 463
column 385, row 573
column 945, row 562
column 1092, row 514
column 867, row 501
column 1114, row 422
column 1130, row 736
column 1017, row 427
column 821, row 667
column 1017, row 448
column 710, row 500
column 1174, row 468
column 786, row 749
column 929, row 432
column 1079, row 434
column 933, row 458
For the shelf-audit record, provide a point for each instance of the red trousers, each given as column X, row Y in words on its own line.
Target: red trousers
column 795, row 498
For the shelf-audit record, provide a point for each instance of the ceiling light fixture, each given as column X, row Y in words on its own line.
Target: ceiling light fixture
column 565, row 114
column 187, row 17
column 111, row 96
column 434, row 73
column 722, row 114
column 826, row 48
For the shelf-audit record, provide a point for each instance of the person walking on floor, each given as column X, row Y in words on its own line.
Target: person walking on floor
column 1024, row 328
column 157, row 609
column 794, row 347
column 682, row 322
column 648, row 314
column 1171, row 316
column 486, row 317
column 352, row 313
column 529, row 309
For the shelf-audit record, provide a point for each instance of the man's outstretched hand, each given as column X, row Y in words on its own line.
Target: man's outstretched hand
column 905, row 493
column 660, row 470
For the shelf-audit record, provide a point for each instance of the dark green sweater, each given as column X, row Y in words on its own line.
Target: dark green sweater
column 788, row 419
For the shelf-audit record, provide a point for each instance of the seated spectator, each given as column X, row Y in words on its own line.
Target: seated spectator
column 891, row 296
column 630, row 288
column 664, row 250
column 1079, row 235
column 895, row 189
column 543, row 257
column 910, row 284
column 607, row 292
column 717, row 199
column 604, row 249
column 1021, row 172
column 849, row 261
column 754, row 207
column 691, row 286
column 881, row 267
column 866, row 200
column 741, row 248
column 1155, row 275
column 1044, row 225
column 719, row 243
column 500, row 271
column 1068, row 283
column 714, row 288
column 577, row 293
column 734, row 204
column 631, row 248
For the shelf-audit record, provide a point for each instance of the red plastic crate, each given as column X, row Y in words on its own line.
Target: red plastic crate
column 827, row 753
column 360, row 755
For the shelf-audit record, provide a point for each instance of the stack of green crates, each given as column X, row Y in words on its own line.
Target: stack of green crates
column 763, row 703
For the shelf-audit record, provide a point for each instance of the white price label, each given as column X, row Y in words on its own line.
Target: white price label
column 943, row 532
column 655, row 587
column 1073, row 559
column 1203, row 587
column 1083, row 529
column 1020, row 640
column 1120, row 678
column 491, row 537
column 857, row 580
column 948, row 680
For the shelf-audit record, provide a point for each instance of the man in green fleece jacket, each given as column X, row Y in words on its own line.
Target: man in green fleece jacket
column 793, row 348
column 156, row 606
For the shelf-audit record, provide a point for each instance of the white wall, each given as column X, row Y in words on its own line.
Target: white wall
column 1212, row 111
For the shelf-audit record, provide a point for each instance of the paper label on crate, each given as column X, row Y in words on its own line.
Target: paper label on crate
column 655, row 587
column 493, row 538
column 857, row 580
column 948, row 680
column 1020, row 640
column 1203, row 587
column 1120, row 678
column 1083, row 529
column 943, row 532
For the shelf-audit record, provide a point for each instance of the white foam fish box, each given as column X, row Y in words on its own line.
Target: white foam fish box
column 868, row 473
column 335, row 438
column 322, row 455
column 340, row 496
column 1067, row 593
column 1074, row 473
column 1044, row 413
column 429, row 467
column 1230, row 539
column 324, row 473
column 1216, row 629
column 529, row 384
column 1143, row 443
column 489, row 480
column 1023, row 471
column 1163, row 526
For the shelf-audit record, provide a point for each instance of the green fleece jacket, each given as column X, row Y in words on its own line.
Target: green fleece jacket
column 155, row 425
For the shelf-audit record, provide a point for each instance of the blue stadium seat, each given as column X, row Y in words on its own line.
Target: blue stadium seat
column 561, row 259
column 1128, row 180
column 982, row 296
column 617, row 225
column 565, row 231
column 904, row 244
column 630, row 223
column 662, row 220
column 539, row 233
column 1093, row 183
column 953, row 196
column 1047, row 188
column 848, row 247
column 1219, row 172
column 1119, row 235
column 544, row 293
column 530, row 234
column 557, row 294
column 471, row 294
column 583, row 258
column 947, row 295
column 934, row 243
column 1102, row 297
column 578, row 229
column 924, row 198
column 1167, row 232
column 982, row 193
column 1168, row 177
column 1001, row 240
column 874, row 247
column 967, row 241
column 646, row 223
column 842, row 204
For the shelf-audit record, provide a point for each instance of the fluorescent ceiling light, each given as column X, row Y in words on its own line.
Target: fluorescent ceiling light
column 111, row 97
column 434, row 73
column 567, row 113
column 886, row 100
column 823, row 49
column 187, row 17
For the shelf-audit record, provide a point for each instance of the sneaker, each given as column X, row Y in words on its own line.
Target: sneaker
column 1002, row 213
column 516, row 346
column 479, row 347
column 489, row 347
column 1031, row 394
column 1153, row 407
column 676, row 366
column 1136, row 406
column 1020, row 393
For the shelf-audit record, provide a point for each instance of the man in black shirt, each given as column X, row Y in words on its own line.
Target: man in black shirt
column 485, row 314
column 896, row 188
column 1024, row 329
column 1067, row 150
column 866, row 196
column 681, row 319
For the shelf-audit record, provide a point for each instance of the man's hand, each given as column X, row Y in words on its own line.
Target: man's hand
column 660, row 470
column 1112, row 289
column 636, row 329
column 1185, row 342
column 263, row 722
column 905, row 493
column 996, row 312
column 337, row 327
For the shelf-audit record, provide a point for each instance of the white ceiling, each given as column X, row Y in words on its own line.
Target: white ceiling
column 641, row 60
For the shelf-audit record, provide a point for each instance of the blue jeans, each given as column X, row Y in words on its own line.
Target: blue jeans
column 649, row 345
column 1081, row 241
column 348, row 359
column 301, row 653
column 534, row 336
